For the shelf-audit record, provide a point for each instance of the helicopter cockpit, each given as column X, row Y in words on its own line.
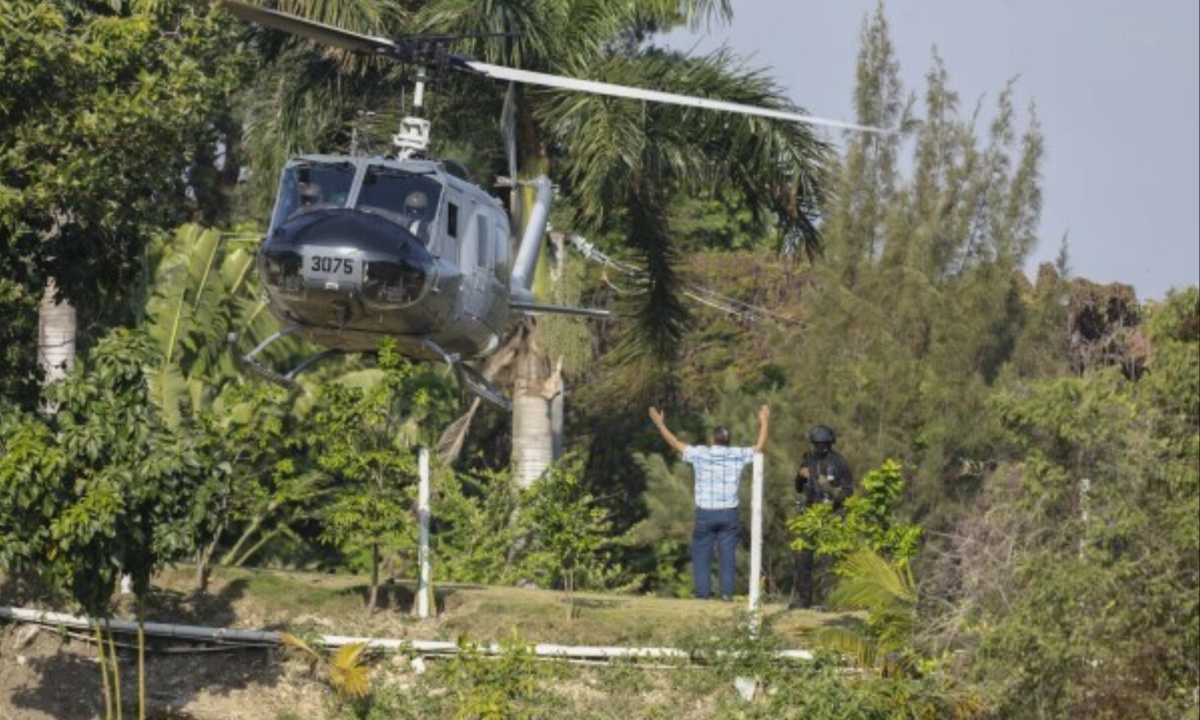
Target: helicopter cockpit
column 313, row 186
column 405, row 197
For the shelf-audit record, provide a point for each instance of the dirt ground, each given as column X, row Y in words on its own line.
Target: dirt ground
column 45, row 674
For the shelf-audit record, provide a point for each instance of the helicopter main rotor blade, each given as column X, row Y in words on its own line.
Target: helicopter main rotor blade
column 318, row 32
column 423, row 49
column 624, row 91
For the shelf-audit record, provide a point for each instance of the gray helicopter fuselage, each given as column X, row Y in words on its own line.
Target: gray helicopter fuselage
column 363, row 248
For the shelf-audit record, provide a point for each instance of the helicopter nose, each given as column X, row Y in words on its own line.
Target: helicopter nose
column 364, row 262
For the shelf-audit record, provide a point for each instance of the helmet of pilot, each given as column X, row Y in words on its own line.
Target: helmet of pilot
column 415, row 203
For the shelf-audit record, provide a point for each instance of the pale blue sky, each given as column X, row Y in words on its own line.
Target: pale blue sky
column 1117, row 89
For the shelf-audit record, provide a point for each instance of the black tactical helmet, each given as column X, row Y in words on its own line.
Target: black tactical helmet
column 822, row 435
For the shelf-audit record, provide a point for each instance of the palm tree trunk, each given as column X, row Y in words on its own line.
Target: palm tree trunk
column 56, row 337
column 536, row 388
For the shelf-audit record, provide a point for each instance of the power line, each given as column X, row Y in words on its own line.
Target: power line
column 704, row 295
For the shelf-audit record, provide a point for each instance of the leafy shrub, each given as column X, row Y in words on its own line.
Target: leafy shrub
column 865, row 521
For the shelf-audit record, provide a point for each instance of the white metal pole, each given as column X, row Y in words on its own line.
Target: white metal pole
column 756, row 501
column 423, row 586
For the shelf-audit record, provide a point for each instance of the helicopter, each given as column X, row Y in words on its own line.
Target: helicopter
column 405, row 246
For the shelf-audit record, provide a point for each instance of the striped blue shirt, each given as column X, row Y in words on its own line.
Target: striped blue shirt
column 718, row 470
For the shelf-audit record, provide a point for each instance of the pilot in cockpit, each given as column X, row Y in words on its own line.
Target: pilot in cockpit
column 310, row 196
column 416, row 213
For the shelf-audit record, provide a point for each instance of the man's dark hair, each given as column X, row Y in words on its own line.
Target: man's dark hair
column 721, row 435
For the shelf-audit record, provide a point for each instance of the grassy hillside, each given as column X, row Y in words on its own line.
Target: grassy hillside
column 50, row 674
column 334, row 604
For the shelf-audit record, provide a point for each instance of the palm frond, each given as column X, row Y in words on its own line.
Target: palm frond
column 888, row 594
column 297, row 643
column 347, row 673
column 167, row 389
column 848, row 642
column 870, row 582
column 452, row 439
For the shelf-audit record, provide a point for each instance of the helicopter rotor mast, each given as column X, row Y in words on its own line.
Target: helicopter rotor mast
column 413, row 139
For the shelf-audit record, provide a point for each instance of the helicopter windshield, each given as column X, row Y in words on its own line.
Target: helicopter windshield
column 401, row 196
column 312, row 185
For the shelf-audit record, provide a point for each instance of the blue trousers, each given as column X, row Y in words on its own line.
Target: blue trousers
column 719, row 527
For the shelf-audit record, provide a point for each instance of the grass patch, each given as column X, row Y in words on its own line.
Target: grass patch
column 335, row 604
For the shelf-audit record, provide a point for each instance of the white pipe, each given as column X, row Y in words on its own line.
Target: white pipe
column 423, row 584
column 756, row 501
column 425, row 647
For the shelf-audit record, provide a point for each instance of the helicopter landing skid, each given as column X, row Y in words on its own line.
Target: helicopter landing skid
column 471, row 379
column 288, row 379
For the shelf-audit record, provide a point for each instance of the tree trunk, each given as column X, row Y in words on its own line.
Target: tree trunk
column 204, row 561
column 537, row 385
column 373, row 595
column 56, row 337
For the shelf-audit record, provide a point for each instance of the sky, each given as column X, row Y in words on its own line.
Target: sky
column 1117, row 90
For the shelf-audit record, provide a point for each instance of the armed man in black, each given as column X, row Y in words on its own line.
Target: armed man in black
column 824, row 477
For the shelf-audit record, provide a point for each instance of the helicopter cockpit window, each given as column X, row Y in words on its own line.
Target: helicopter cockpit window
column 401, row 196
column 313, row 185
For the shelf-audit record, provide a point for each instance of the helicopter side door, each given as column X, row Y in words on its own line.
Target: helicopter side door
column 475, row 256
column 495, row 222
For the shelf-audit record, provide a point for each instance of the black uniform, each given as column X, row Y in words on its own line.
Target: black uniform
column 829, row 478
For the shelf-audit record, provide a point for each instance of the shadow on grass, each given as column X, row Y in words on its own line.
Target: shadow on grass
column 591, row 603
column 193, row 608
column 401, row 595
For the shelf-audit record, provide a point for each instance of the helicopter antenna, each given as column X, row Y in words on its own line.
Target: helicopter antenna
column 413, row 139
